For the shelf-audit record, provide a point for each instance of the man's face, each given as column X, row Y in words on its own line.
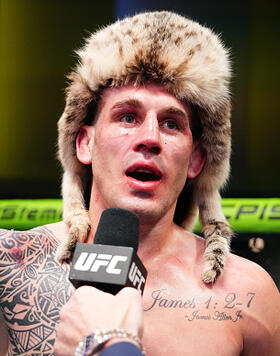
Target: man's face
column 140, row 148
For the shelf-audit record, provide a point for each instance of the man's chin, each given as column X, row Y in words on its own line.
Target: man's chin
column 146, row 214
column 148, row 209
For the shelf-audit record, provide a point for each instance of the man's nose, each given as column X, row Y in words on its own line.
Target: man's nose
column 148, row 136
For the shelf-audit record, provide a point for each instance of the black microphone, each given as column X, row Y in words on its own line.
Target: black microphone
column 111, row 263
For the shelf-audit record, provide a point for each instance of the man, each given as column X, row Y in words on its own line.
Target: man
column 146, row 128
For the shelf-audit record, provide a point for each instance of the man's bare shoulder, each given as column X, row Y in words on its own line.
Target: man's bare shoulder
column 262, row 318
column 245, row 277
column 241, row 271
column 20, row 249
column 13, row 238
column 33, row 288
column 59, row 230
column 245, row 290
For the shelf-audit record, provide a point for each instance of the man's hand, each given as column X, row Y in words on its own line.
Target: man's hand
column 89, row 309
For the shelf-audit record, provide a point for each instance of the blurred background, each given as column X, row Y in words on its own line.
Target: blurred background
column 37, row 43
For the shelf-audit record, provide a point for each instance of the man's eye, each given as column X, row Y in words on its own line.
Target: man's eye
column 170, row 125
column 129, row 119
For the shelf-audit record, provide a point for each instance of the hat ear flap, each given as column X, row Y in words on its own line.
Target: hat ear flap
column 78, row 99
column 74, row 183
column 217, row 234
column 75, row 214
column 216, row 140
column 216, row 230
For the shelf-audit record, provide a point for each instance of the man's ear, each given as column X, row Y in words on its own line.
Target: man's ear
column 83, row 144
column 197, row 160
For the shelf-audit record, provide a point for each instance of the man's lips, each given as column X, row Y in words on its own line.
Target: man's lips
column 144, row 173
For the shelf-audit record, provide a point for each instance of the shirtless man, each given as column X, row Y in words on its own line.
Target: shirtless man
column 162, row 121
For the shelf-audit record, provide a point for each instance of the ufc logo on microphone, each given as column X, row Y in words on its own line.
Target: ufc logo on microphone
column 136, row 277
column 93, row 261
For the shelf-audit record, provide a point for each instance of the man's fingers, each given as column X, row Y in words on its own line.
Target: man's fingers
column 130, row 299
column 129, row 292
column 92, row 294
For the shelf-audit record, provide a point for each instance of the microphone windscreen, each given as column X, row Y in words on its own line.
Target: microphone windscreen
column 118, row 227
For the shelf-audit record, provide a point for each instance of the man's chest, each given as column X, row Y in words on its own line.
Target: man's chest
column 191, row 324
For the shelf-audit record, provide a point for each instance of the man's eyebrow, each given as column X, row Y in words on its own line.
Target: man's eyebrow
column 176, row 111
column 137, row 104
column 129, row 102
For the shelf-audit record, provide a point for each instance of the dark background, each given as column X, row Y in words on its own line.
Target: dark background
column 37, row 42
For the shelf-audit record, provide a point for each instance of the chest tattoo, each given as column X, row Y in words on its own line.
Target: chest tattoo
column 228, row 307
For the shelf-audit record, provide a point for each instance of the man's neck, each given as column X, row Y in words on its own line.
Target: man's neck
column 154, row 236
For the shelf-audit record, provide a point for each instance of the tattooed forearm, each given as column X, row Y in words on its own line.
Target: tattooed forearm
column 33, row 288
column 228, row 308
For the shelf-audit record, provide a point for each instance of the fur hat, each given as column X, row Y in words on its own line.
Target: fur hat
column 192, row 64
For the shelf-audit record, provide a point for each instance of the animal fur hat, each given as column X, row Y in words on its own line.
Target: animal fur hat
column 190, row 61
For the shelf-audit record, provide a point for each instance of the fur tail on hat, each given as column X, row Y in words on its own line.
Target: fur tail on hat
column 74, row 215
column 216, row 231
column 217, row 235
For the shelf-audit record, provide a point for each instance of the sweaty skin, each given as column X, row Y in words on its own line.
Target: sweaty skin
column 142, row 129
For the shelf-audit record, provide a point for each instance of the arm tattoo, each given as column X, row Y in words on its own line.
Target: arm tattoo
column 33, row 288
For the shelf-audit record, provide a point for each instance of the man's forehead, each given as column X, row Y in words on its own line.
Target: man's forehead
column 136, row 96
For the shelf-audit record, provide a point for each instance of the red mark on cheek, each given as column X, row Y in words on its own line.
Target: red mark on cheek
column 96, row 198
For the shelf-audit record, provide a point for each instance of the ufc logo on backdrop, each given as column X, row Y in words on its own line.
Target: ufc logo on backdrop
column 93, row 261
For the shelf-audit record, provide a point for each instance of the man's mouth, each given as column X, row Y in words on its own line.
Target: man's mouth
column 144, row 174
